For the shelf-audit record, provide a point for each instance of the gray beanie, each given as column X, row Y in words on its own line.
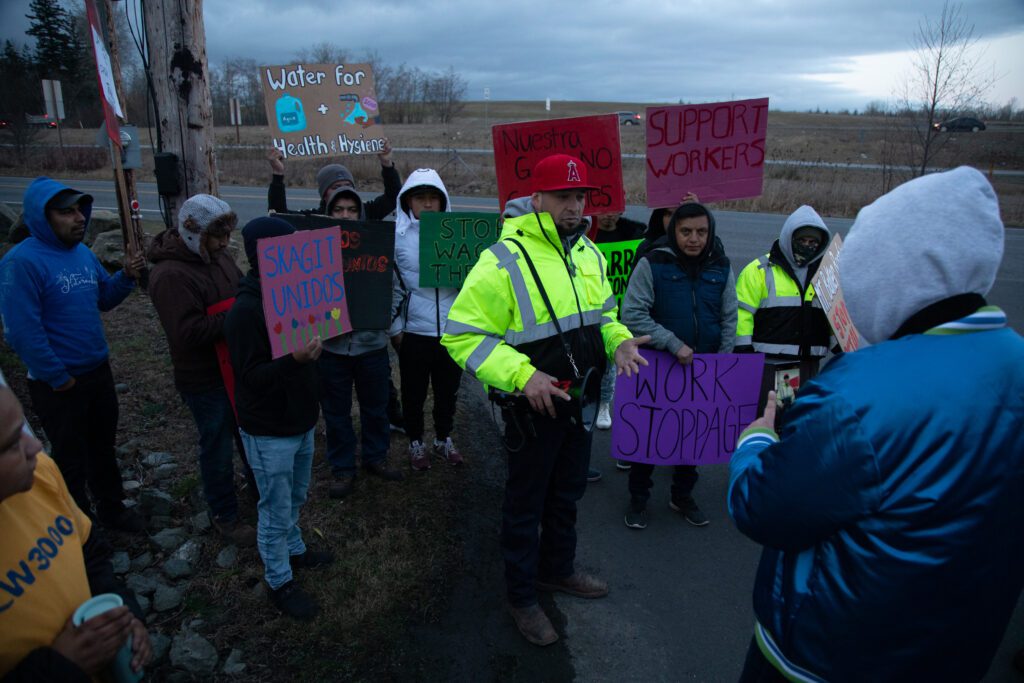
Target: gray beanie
column 330, row 174
column 196, row 216
column 932, row 238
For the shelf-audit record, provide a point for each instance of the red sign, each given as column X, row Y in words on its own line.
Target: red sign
column 715, row 150
column 593, row 139
column 108, row 93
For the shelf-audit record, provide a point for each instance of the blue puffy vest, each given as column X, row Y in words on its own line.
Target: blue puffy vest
column 690, row 307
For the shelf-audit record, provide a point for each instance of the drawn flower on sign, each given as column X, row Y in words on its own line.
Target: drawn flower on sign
column 277, row 327
column 312, row 319
column 327, row 315
column 295, row 324
column 335, row 313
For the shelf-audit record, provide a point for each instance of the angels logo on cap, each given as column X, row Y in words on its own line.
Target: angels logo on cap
column 560, row 172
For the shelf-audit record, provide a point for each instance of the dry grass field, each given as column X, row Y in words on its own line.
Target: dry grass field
column 804, row 137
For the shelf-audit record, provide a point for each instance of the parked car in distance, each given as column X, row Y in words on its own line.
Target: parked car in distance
column 960, row 124
column 629, row 118
column 40, row 120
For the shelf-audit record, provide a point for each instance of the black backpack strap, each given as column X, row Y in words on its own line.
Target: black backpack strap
column 547, row 303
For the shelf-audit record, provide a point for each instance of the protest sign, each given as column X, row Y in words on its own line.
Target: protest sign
column 368, row 254
column 716, row 151
column 592, row 139
column 673, row 414
column 829, row 291
column 317, row 110
column 451, row 243
column 619, row 258
column 104, row 73
column 303, row 288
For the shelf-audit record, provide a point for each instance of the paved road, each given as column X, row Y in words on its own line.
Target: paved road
column 745, row 235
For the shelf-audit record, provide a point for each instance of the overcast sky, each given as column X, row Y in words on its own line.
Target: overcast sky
column 800, row 53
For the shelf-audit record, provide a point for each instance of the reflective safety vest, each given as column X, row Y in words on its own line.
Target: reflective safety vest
column 776, row 316
column 499, row 328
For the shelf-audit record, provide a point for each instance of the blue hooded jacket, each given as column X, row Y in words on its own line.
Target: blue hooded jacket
column 50, row 295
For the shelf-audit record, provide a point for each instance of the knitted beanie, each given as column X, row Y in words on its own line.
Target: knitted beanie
column 260, row 228
column 330, row 174
column 195, row 217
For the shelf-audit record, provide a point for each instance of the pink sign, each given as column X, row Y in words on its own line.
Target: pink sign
column 716, row 151
column 672, row 414
column 303, row 285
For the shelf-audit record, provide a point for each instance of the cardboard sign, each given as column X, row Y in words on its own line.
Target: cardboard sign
column 619, row 257
column 592, row 139
column 303, row 288
column 451, row 244
column 368, row 258
column 829, row 291
column 714, row 150
column 318, row 110
column 672, row 414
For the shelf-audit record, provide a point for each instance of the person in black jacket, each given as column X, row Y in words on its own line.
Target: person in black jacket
column 332, row 177
column 277, row 404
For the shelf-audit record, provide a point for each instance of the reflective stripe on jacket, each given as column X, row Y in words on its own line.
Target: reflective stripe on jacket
column 499, row 328
column 775, row 316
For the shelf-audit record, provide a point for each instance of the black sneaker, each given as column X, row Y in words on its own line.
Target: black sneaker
column 636, row 519
column 593, row 475
column 381, row 469
column 124, row 520
column 311, row 559
column 690, row 510
column 342, row 485
column 623, row 465
column 294, row 602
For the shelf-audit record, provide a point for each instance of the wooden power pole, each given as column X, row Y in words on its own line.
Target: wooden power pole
column 176, row 40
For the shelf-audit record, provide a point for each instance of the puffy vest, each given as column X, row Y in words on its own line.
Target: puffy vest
column 689, row 307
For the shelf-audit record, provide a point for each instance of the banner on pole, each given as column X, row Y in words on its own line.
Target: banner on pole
column 105, row 74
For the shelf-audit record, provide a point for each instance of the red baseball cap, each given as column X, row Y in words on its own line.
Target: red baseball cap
column 560, row 172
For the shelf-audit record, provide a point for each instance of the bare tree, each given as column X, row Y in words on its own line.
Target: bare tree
column 946, row 78
column 323, row 53
column 445, row 93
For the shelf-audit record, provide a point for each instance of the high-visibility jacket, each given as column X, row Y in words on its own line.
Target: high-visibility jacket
column 499, row 328
column 776, row 315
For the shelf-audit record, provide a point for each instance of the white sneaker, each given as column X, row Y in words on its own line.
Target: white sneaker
column 604, row 416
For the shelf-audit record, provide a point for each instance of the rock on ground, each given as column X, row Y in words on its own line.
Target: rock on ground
column 166, row 598
column 193, row 653
column 169, row 539
column 176, row 568
column 233, row 665
column 227, row 557
column 120, row 562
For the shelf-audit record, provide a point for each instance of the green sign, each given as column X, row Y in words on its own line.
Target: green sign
column 451, row 243
column 619, row 258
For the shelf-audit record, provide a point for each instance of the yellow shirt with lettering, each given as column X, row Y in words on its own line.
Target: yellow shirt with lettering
column 42, row 569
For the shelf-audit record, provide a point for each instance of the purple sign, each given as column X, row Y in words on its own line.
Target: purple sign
column 672, row 414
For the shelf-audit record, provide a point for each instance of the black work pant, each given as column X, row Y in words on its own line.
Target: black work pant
column 422, row 362
column 546, row 478
column 81, row 424
column 684, row 478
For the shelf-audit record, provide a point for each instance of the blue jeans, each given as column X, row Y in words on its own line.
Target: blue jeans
column 608, row 383
column 215, row 421
column 370, row 373
column 282, row 466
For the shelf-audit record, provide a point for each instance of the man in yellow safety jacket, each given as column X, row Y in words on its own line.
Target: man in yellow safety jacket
column 778, row 312
column 535, row 310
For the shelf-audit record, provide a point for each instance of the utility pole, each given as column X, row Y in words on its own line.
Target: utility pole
column 176, row 40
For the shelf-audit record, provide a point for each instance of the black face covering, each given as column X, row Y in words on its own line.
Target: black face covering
column 802, row 253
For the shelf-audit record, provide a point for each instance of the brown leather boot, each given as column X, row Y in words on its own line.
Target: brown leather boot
column 534, row 624
column 579, row 584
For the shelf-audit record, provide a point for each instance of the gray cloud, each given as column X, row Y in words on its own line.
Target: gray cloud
column 660, row 50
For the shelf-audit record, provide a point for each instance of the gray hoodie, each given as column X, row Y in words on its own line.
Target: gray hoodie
column 805, row 216
column 951, row 218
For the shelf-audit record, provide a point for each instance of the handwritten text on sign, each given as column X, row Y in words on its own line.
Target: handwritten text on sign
column 830, row 293
column 317, row 110
column 672, row 414
column 451, row 244
column 592, row 139
column 303, row 288
column 714, row 150
column 618, row 257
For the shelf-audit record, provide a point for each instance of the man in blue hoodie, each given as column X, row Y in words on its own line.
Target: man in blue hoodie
column 52, row 289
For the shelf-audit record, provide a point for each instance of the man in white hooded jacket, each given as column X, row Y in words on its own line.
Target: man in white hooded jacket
column 417, row 331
